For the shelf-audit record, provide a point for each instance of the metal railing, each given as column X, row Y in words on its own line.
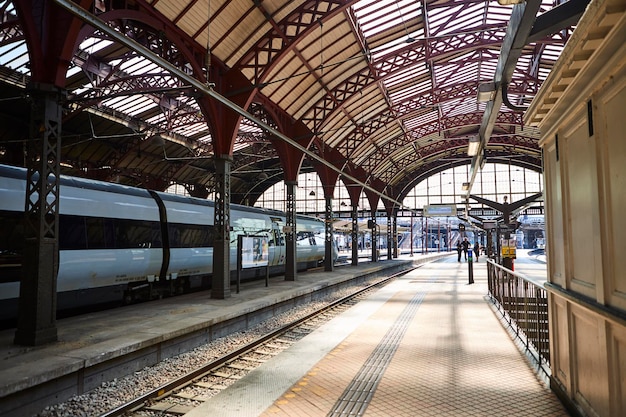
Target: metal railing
column 524, row 305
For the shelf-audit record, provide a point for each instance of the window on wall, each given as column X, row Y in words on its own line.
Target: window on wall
column 310, row 197
column 180, row 189
column 177, row 189
column 493, row 182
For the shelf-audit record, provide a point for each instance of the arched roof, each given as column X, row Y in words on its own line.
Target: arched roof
column 385, row 89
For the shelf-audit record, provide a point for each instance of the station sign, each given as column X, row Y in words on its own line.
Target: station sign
column 440, row 210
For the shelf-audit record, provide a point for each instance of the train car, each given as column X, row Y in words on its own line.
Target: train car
column 119, row 243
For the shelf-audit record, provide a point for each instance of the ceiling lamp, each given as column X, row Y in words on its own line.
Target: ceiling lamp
column 509, row 2
column 465, row 186
column 487, row 92
column 474, row 143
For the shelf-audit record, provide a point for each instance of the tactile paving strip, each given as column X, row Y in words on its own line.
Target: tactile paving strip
column 358, row 394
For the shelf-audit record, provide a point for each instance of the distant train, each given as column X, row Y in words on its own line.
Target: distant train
column 119, row 243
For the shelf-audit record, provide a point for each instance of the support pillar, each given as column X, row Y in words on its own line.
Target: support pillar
column 394, row 231
column 36, row 324
column 329, row 259
column 290, row 232
column 355, row 235
column 411, row 249
column 220, row 284
column 389, row 237
column 425, row 241
column 374, row 237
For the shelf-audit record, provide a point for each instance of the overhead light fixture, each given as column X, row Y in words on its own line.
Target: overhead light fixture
column 509, row 2
column 465, row 186
column 474, row 144
column 486, row 92
column 312, row 193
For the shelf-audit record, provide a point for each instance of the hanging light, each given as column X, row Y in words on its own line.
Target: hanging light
column 486, row 92
column 474, row 144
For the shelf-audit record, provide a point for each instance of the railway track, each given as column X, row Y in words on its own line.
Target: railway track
column 185, row 393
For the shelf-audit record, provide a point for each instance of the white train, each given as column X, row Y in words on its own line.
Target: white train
column 118, row 243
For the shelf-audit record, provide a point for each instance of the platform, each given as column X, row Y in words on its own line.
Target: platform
column 98, row 347
column 429, row 344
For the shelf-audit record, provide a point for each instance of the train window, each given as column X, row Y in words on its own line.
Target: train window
column 72, row 234
column 302, row 235
column 95, row 233
column 191, row 236
column 137, row 234
column 11, row 245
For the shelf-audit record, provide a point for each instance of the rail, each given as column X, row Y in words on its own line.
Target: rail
column 137, row 404
column 524, row 305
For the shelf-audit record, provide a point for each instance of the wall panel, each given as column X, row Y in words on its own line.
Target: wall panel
column 613, row 106
column 554, row 215
column 590, row 377
column 581, row 200
column 588, row 307
column 618, row 363
column 560, row 363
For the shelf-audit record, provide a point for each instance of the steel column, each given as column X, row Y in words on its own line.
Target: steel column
column 354, row 235
column 389, row 237
column 374, row 237
column 220, row 284
column 329, row 260
column 38, row 287
column 290, row 232
column 394, row 230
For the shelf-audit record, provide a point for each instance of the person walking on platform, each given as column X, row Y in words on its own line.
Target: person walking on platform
column 459, row 248
column 476, row 251
column 466, row 246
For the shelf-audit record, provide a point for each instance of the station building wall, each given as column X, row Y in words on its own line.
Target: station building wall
column 581, row 111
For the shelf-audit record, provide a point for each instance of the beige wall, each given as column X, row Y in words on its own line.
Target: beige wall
column 585, row 175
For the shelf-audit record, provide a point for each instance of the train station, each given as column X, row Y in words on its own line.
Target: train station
column 329, row 208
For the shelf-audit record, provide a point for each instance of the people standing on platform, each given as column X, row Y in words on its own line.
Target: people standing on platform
column 466, row 247
column 459, row 248
column 476, row 251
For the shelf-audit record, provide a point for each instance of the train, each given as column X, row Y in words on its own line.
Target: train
column 123, row 244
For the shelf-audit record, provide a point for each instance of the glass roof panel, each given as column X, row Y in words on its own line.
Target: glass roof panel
column 93, row 45
column 389, row 25
column 13, row 55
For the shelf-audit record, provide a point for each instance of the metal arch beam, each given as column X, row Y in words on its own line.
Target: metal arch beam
column 521, row 23
column 405, row 57
column 207, row 90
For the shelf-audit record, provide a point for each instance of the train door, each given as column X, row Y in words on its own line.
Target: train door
column 277, row 242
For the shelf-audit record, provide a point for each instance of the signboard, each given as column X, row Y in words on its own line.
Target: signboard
column 508, row 248
column 254, row 251
column 440, row 210
column 489, row 224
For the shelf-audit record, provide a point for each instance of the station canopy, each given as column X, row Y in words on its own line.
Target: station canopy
column 386, row 91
